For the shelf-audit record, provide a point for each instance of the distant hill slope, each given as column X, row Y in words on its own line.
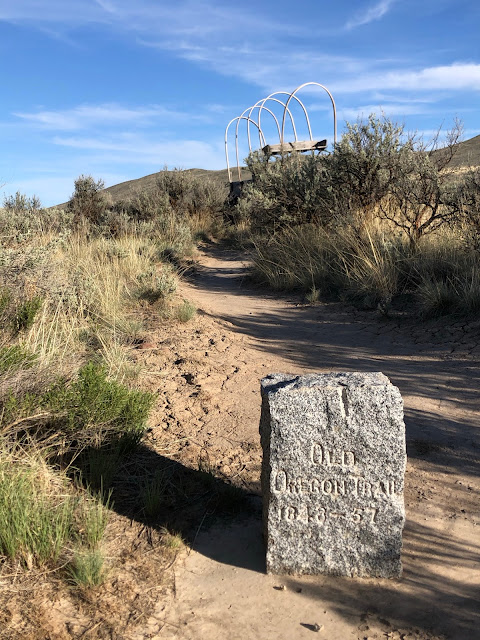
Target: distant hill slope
column 468, row 154
column 129, row 189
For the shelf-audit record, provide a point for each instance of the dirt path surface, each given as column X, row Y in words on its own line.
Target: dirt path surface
column 208, row 379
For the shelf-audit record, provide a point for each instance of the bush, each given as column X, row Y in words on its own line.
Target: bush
column 15, row 357
column 185, row 311
column 296, row 258
column 362, row 266
column 154, row 285
column 97, row 410
column 20, row 203
column 190, row 195
column 88, row 202
column 293, row 190
column 180, row 201
column 86, row 570
column 365, row 164
column 376, row 170
column 468, row 194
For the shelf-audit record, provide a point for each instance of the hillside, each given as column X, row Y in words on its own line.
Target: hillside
column 127, row 189
column 468, row 154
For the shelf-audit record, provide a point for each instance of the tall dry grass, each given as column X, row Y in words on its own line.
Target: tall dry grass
column 371, row 266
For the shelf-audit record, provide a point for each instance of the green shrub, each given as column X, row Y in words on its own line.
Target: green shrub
column 376, row 170
column 153, row 495
column 293, row 190
column 295, row 258
column 445, row 276
column 191, row 195
column 93, row 405
column 25, row 314
column 92, row 515
column 154, row 285
column 468, row 194
column 20, row 203
column 436, row 297
column 98, row 465
column 5, row 299
column 91, row 413
column 369, row 266
column 179, row 198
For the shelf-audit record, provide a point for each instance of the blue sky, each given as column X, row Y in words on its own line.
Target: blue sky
column 120, row 88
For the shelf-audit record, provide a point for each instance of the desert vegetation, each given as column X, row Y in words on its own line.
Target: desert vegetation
column 76, row 286
column 380, row 220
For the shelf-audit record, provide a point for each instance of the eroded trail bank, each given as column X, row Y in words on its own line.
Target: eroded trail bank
column 207, row 375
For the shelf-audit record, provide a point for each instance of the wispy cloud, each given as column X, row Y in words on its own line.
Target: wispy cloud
column 146, row 150
column 237, row 43
column 400, row 109
column 201, row 21
column 111, row 115
column 375, row 12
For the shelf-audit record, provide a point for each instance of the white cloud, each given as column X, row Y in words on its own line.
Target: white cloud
column 375, row 12
column 455, row 77
column 237, row 42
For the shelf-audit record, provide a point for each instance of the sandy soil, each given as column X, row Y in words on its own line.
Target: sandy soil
column 211, row 392
column 206, row 374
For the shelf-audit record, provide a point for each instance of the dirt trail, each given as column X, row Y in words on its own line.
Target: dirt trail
column 211, row 395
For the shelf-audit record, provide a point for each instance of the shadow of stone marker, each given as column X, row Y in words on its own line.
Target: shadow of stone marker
column 333, row 472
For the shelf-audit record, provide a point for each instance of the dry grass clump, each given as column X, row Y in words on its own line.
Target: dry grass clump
column 36, row 507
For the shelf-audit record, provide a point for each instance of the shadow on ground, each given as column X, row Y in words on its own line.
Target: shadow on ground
column 223, row 522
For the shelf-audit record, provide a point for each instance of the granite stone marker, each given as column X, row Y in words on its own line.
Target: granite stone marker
column 333, row 474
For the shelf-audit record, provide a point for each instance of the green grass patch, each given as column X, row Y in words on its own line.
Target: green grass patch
column 14, row 358
column 185, row 311
column 25, row 313
column 36, row 511
column 87, row 570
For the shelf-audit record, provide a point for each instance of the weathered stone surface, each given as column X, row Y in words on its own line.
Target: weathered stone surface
column 333, row 474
